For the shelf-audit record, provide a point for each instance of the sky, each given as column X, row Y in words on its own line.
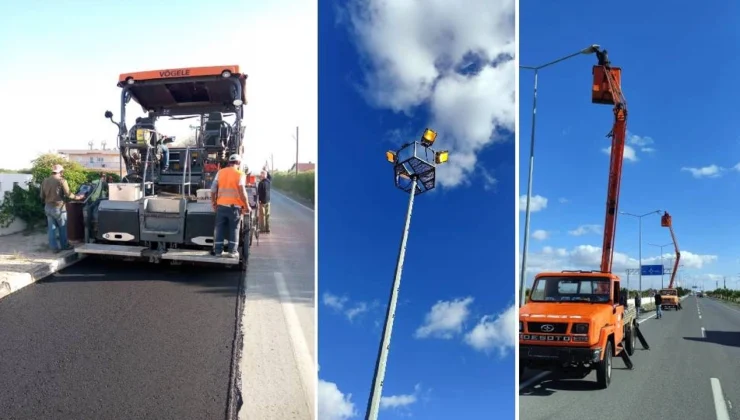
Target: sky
column 61, row 62
column 683, row 146
column 388, row 70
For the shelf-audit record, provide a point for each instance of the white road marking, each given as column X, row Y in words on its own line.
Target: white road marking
column 703, row 333
column 533, row 379
column 78, row 275
column 719, row 401
column 306, row 365
column 645, row 319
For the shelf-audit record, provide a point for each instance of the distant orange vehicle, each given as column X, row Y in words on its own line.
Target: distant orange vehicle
column 575, row 322
column 670, row 293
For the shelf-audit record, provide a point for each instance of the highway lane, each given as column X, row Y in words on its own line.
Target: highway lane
column 278, row 360
column 110, row 340
column 672, row 380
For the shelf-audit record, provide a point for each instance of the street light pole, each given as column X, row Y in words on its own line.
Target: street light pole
column 390, row 315
column 411, row 164
column 527, row 214
column 662, row 272
column 639, row 218
column 523, row 272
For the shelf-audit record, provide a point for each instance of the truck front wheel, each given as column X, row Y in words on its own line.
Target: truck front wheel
column 629, row 340
column 604, row 367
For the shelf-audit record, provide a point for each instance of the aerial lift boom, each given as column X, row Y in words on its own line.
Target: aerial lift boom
column 607, row 89
column 667, row 221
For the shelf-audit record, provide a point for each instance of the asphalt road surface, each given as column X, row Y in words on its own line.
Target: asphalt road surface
column 690, row 372
column 108, row 340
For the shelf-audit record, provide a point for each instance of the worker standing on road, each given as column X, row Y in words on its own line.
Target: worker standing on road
column 263, row 194
column 229, row 200
column 638, row 302
column 658, row 303
column 54, row 192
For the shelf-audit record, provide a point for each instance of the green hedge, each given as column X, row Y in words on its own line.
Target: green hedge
column 302, row 185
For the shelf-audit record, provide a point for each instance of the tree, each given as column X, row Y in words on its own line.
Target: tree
column 25, row 204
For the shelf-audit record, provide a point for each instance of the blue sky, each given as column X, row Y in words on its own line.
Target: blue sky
column 683, row 134
column 451, row 353
column 83, row 46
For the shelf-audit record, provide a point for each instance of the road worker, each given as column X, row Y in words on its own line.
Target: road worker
column 229, row 200
column 263, row 195
column 54, row 192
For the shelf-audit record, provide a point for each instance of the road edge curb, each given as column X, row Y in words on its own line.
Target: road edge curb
column 21, row 280
column 287, row 195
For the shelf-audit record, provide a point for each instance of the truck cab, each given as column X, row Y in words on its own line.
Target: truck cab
column 574, row 322
column 670, row 298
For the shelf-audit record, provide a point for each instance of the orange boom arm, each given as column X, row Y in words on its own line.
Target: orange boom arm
column 607, row 89
column 667, row 221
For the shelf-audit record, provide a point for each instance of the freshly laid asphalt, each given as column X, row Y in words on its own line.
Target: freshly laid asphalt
column 112, row 340
column 672, row 380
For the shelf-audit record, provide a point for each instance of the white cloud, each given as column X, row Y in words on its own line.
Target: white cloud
column 644, row 143
column 632, row 145
column 343, row 304
column 445, row 319
column 334, row 301
column 688, row 259
column 629, row 153
column 402, row 400
column 495, row 332
column 456, row 58
column 333, row 404
column 563, row 200
column 586, row 229
column 361, row 307
column 536, row 203
column 711, row 171
column 540, row 235
column 585, row 257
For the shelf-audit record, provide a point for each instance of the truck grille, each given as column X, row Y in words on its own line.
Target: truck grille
column 547, row 327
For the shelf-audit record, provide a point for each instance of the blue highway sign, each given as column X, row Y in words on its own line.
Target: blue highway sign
column 652, row 270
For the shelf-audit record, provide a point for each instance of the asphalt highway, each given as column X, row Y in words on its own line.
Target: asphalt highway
column 690, row 372
column 112, row 340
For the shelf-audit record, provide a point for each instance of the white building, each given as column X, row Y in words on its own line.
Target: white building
column 102, row 160
column 7, row 182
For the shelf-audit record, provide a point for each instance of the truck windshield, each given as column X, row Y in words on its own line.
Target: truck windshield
column 571, row 289
column 668, row 292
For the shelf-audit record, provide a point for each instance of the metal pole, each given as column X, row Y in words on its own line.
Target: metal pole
column 296, row 150
column 376, row 392
column 640, row 252
column 662, row 269
column 523, row 273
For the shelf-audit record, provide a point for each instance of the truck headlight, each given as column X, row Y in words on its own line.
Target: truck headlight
column 580, row 328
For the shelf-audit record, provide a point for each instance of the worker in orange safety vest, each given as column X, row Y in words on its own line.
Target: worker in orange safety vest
column 229, row 200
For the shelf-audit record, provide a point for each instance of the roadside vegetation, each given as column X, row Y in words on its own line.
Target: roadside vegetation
column 301, row 186
column 25, row 203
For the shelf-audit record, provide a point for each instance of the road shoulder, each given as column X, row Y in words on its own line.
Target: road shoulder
column 25, row 259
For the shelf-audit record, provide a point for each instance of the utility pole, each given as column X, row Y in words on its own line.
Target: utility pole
column 272, row 162
column 296, row 150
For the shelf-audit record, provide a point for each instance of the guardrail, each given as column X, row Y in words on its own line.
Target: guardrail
column 648, row 303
